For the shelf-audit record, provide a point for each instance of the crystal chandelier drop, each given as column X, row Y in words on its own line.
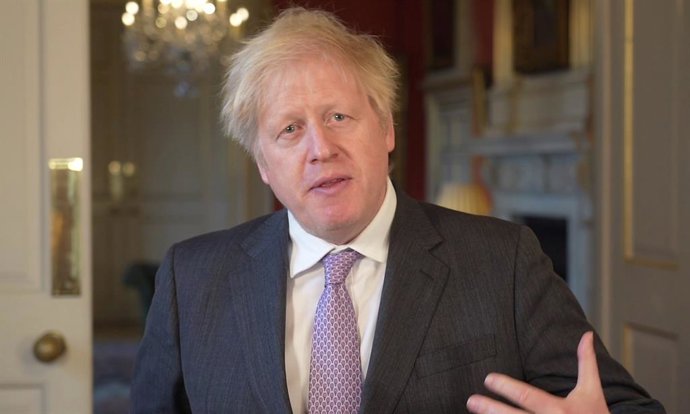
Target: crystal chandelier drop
column 181, row 37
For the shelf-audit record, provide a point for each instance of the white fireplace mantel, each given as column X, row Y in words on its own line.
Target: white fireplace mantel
column 535, row 143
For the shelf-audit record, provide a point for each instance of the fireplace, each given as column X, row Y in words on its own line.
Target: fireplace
column 553, row 237
column 531, row 133
column 554, row 206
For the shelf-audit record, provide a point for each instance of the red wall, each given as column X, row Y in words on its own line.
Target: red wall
column 398, row 23
column 483, row 15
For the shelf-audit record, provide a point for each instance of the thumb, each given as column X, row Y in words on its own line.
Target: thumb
column 588, row 371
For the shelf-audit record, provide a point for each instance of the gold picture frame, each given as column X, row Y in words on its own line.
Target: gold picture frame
column 541, row 35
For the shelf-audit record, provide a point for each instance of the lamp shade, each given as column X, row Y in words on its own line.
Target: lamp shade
column 466, row 197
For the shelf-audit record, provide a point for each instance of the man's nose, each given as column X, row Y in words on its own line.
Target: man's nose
column 322, row 146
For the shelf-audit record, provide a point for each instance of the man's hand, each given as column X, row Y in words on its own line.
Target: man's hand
column 586, row 397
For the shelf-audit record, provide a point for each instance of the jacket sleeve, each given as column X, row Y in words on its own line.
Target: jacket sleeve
column 549, row 324
column 158, row 386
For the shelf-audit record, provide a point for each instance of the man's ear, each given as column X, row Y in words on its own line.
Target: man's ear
column 263, row 173
column 261, row 165
column 390, row 134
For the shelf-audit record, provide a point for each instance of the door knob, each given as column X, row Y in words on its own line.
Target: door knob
column 49, row 347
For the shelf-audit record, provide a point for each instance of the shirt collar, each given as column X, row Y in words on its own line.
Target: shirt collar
column 372, row 242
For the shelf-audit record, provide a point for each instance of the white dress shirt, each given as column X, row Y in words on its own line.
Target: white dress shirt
column 306, row 283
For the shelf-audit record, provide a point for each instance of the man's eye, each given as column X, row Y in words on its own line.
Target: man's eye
column 339, row 117
column 288, row 130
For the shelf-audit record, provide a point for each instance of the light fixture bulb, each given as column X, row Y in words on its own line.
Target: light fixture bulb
column 132, row 7
column 235, row 20
column 209, row 8
column 243, row 13
column 192, row 15
column 180, row 22
column 127, row 19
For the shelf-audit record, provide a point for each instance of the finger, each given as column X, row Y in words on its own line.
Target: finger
column 480, row 404
column 588, row 371
column 522, row 394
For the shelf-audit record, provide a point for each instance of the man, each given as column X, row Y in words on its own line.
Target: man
column 429, row 303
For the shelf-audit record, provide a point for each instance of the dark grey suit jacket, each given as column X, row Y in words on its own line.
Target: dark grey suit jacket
column 463, row 296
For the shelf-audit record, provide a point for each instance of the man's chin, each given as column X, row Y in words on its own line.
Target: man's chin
column 336, row 231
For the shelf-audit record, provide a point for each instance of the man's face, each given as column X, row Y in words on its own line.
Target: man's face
column 323, row 150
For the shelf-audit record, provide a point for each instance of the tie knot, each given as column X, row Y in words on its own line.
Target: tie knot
column 338, row 265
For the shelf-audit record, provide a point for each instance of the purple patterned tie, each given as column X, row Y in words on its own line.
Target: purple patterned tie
column 335, row 377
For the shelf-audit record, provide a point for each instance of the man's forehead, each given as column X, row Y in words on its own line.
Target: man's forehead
column 298, row 66
column 315, row 75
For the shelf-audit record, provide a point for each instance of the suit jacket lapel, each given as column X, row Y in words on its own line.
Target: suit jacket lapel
column 413, row 285
column 259, row 308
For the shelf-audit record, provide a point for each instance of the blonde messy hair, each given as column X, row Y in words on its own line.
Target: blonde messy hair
column 298, row 33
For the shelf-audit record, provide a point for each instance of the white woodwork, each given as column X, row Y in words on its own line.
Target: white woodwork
column 44, row 114
column 642, row 145
column 449, row 123
column 20, row 166
column 641, row 342
column 653, row 220
column 21, row 400
column 540, row 103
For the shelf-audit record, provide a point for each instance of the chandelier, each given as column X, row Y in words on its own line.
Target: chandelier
column 181, row 37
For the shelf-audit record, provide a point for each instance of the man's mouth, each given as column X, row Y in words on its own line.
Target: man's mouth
column 329, row 183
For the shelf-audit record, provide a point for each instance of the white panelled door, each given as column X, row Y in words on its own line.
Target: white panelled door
column 44, row 115
column 643, row 145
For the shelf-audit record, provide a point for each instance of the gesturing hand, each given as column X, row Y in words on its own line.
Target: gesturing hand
column 586, row 397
